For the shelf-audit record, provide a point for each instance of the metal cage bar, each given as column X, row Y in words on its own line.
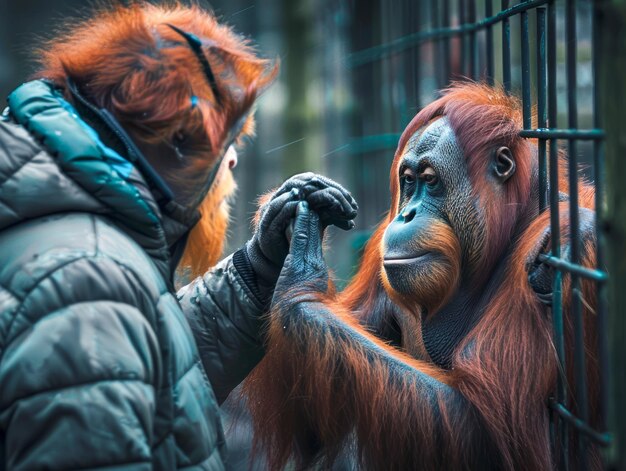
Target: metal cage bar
column 561, row 428
column 474, row 70
column 569, row 405
column 598, row 164
column 445, row 23
column 464, row 55
column 506, row 49
column 575, row 242
column 489, row 43
column 542, row 113
column 526, row 104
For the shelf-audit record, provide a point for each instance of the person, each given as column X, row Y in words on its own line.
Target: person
column 115, row 174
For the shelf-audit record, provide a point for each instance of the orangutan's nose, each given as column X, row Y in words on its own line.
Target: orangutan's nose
column 231, row 157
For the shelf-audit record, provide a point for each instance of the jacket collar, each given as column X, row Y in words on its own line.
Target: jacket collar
column 96, row 158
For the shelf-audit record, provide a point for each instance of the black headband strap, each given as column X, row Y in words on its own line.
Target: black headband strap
column 196, row 46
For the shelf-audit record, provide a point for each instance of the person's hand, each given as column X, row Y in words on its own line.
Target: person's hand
column 269, row 245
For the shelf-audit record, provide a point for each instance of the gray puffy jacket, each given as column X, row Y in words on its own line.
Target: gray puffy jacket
column 102, row 365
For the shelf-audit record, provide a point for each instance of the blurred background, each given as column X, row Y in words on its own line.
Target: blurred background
column 353, row 74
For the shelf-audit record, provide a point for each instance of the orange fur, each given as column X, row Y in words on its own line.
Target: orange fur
column 205, row 244
column 359, row 391
column 435, row 288
column 261, row 202
column 327, row 378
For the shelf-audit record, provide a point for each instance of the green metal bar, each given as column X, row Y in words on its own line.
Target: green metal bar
column 557, row 307
column 506, row 49
column 405, row 42
column 575, row 243
column 390, row 141
column 462, row 21
column 550, row 133
column 526, row 105
column 564, row 265
column 611, row 25
column 373, row 143
column 603, row 439
column 542, row 116
column 473, row 54
column 598, row 164
column 489, row 41
column 439, row 58
column 417, row 54
column 446, row 41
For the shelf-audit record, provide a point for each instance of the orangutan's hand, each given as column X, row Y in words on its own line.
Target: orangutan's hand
column 269, row 245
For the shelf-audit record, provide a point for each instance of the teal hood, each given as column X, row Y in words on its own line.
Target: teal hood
column 54, row 162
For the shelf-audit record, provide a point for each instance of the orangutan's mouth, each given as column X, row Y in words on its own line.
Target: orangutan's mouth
column 399, row 260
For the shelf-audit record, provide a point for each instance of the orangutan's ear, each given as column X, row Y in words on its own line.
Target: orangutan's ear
column 503, row 164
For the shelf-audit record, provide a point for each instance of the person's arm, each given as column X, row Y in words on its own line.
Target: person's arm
column 79, row 372
column 225, row 317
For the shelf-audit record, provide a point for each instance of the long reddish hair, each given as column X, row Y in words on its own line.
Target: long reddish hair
column 129, row 60
column 317, row 385
column 512, row 367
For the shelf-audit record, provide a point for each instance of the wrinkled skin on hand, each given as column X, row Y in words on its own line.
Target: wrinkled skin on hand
column 269, row 245
column 304, row 265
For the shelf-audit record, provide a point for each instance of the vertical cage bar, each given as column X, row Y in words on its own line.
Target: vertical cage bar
column 598, row 165
column 541, row 102
column 445, row 41
column 436, row 46
column 473, row 50
column 462, row 38
column 417, row 77
column 489, row 41
column 526, row 105
column 557, row 308
column 398, row 69
column 611, row 22
column 575, row 246
column 506, row 49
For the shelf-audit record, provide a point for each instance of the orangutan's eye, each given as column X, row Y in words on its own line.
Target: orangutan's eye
column 408, row 176
column 429, row 176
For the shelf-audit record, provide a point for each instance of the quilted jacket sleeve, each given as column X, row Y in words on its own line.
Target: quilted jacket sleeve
column 79, row 371
column 226, row 318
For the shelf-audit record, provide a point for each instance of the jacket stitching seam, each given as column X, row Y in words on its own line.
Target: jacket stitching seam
column 197, row 362
column 74, row 303
column 6, row 288
column 96, row 239
column 26, row 162
column 215, row 450
column 78, row 385
column 237, row 326
column 108, row 465
column 28, row 140
column 160, row 441
column 19, row 310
